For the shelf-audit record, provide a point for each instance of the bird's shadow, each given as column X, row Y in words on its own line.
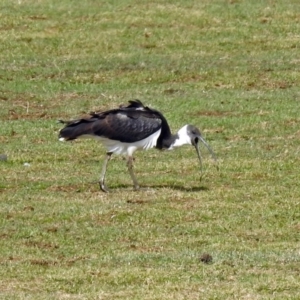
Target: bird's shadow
column 178, row 187
column 157, row 187
column 128, row 188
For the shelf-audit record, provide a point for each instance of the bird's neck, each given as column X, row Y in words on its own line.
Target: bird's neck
column 167, row 140
column 180, row 138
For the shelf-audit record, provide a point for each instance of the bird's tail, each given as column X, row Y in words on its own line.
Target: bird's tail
column 75, row 129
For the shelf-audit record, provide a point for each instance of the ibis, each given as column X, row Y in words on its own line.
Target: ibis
column 129, row 128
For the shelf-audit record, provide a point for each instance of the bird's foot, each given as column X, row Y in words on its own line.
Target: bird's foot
column 136, row 187
column 103, row 187
column 142, row 189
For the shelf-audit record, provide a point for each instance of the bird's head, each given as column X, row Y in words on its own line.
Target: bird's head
column 194, row 137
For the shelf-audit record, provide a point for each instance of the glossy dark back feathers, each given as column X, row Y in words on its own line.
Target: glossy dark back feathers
column 126, row 124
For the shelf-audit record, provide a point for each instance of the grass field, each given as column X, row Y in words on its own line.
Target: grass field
column 230, row 67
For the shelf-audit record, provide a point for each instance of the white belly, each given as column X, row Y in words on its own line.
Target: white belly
column 118, row 147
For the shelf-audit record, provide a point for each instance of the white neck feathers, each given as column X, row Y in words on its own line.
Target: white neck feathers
column 182, row 138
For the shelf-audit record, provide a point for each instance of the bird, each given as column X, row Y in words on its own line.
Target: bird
column 126, row 129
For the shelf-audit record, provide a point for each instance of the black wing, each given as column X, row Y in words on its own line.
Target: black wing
column 126, row 124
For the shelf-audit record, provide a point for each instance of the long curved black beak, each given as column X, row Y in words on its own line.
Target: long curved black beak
column 196, row 144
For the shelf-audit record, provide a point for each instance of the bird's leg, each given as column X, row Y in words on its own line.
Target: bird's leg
column 103, row 172
column 130, row 169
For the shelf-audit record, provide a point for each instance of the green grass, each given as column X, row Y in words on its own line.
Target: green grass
column 229, row 67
